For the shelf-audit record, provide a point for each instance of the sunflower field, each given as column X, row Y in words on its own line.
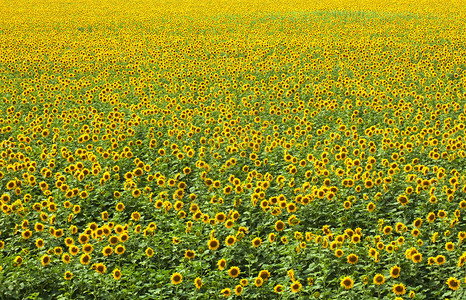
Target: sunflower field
column 247, row 149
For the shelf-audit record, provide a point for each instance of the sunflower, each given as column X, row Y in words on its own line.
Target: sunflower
column 58, row 250
column 230, row 240
column 271, row 237
column 440, row 259
column 258, row 281
column 74, row 250
column 100, row 268
column 26, row 234
column 347, row 204
column 85, row 259
column 403, row 200
column 441, row 214
column 449, row 246
column 431, row 261
column 352, row 259
column 220, row 217
column 18, row 261
column 87, row 248
column 222, row 264
column 416, row 258
column 379, row 279
column 198, row 282
column 338, row 253
column 76, row 209
column 83, row 238
column 120, row 207
column 120, row 249
column 149, row 252
column 387, row 230
column 176, row 278
column 116, row 274
column 113, row 240
column 135, row 216
column 295, row 286
column 40, row 243
column 399, row 289
column 453, row 283
column 233, row 272
column 68, row 275
column 370, row 207
column 238, row 289
column 347, row 283
column 278, row 288
column 356, row 238
column 264, row 274
column 106, row 251
column 213, row 244
column 66, row 258
column 279, row 225
column 431, row 217
column 256, row 242
column 45, row 260
column 226, row 292
column 189, row 254
column 38, row 227
column 124, row 237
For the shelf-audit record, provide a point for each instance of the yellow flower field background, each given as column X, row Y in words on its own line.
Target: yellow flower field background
column 243, row 149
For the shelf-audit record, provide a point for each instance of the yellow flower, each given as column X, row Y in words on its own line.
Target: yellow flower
column 68, row 275
column 453, row 283
column 347, row 283
column 198, row 282
column 295, row 286
column 176, row 278
column 399, row 289
column 233, row 272
column 116, row 274
column 379, row 279
column 395, row 271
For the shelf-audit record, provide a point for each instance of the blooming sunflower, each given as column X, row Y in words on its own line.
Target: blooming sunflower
column 395, row 271
column 213, row 244
column 222, row 264
column 149, row 252
column 256, row 242
column 226, row 292
column 453, row 283
column 379, row 279
column 85, row 259
column 238, row 289
column 45, row 260
column 278, row 288
column 116, row 274
column 352, row 259
column 189, row 254
column 295, row 286
column 106, row 251
column 68, row 275
column 120, row 249
column 233, row 272
column 347, row 283
column 230, row 240
column 198, row 282
column 279, row 225
column 399, row 289
column 100, row 268
column 176, row 278
column 440, row 259
column 258, row 281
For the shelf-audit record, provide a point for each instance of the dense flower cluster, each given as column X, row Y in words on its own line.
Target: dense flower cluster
column 216, row 149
